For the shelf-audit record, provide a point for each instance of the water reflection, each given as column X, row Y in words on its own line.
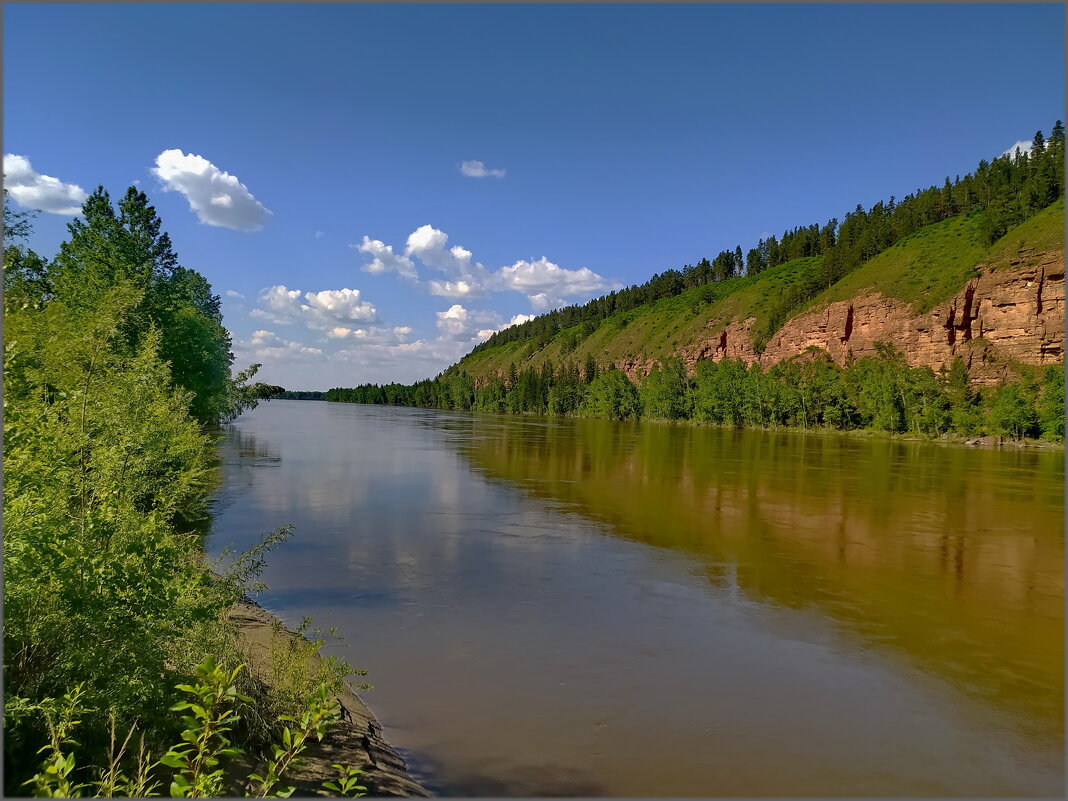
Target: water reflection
column 586, row 608
column 953, row 556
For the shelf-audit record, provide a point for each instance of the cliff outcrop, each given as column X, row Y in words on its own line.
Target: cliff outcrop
column 1007, row 312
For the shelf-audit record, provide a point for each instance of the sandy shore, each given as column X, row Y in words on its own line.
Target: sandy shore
column 356, row 740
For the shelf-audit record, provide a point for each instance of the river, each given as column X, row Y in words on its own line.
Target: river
column 581, row 607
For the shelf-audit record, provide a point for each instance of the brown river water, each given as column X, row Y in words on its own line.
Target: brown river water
column 580, row 607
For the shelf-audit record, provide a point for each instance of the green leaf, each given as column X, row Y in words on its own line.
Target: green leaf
column 172, row 760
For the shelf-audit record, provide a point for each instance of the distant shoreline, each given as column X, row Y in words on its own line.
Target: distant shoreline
column 987, row 442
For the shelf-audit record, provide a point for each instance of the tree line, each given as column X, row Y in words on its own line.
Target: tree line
column 1005, row 191
column 880, row 392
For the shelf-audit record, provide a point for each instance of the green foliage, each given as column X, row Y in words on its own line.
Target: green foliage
column 105, row 461
column 101, row 459
column 612, row 395
column 1012, row 411
column 54, row 779
column 347, row 785
column 881, row 392
column 204, row 740
column 322, row 710
column 194, row 764
column 1050, row 406
column 296, row 668
column 105, row 250
column 665, row 391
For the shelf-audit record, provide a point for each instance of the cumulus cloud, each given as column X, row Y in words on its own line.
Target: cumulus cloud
column 458, row 324
column 519, row 318
column 232, row 294
column 1024, row 146
column 455, row 289
column 547, row 285
column 35, row 191
column 427, row 244
column 217, row 197
column 476, row 169
column 384, row 260
column 340, row 332
column 319, row 310
column 455, row 322
column 267, row 344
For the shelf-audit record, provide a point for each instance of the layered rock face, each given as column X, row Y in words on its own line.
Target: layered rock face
column 1011, row 312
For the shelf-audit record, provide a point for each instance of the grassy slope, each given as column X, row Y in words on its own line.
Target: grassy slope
column 924, row 269
column 933, row 264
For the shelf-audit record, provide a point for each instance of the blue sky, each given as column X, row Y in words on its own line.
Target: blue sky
column 631, row 139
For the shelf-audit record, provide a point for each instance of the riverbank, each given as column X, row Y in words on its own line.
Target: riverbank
column 988, row 441
column 356, row 740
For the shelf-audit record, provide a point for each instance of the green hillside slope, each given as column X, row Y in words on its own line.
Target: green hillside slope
column 924, row 269
column 933, row 264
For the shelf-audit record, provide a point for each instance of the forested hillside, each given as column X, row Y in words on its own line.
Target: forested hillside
column 917, row 253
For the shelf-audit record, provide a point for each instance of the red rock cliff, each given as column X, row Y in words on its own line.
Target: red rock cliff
column 1015, row 311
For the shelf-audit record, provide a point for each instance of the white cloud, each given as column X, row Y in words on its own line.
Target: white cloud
column 1024, row 146
column 340, row 332
column 455, row 322
column 232, row 294
column 35, row 191
column 458, row 324
column 476, row 169
column 384, row 259
column 217, row 197
column 455, row 289
column 428, row 245
column 547, row 285
column 267, row 344
column 318, row 310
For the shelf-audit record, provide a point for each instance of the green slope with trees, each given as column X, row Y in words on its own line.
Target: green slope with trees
column 921, row 249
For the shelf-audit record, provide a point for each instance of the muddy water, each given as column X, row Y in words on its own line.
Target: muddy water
column 556, row 607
